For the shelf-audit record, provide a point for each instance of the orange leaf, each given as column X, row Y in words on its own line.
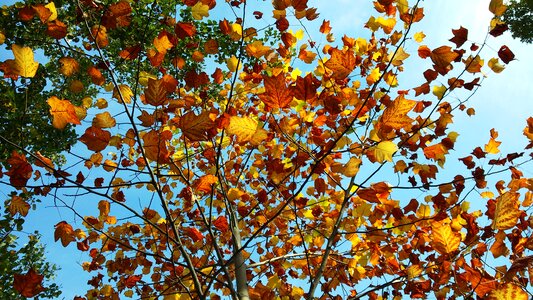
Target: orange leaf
column 276, row 94
column 395, row 115
column 95, row 138
column 195, row 127
column 442, row 57
column 99, row 33
column 508, row 291
column 156, row 94
column 155, row 145
column 28, row 285
column 342, row 63
column 18, row 205
column 65, row 232
column 204, row 183
column 194, row 234
column 104, row 120
column 445, row 240
column 221, row 223
column 69, row 66
column 506, row 213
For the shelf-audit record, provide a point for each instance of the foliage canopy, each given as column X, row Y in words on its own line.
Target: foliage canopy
column 225, row 152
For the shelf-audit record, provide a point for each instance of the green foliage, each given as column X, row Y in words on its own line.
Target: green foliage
column 519, row 17
column 18, row 259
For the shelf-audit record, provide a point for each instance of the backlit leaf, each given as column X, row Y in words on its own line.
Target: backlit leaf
column 508, row 291
column 18, row 205
column 384, row 151
column 243, row 127
column 395, row 115
column 199, row 11
column 506, row 213
column 28, row 285
column 23, row 64
column 276, row 94
column 444, row 239
column 64, row 232
column 104, row 120
column 341, row 63
column 195, row 127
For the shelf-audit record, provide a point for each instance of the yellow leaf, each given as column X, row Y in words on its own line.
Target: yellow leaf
column 399, row 57
column 495, row 66
column 2, row 38
column 423, row 211
column 445, row 240
column 110, row 165
column 162, row 44
column 199, row 11
column 69, row 66
column 232, row 63
column 243, row 127
column 104, row 120
column 419, row 37
column 24, row 64
column 63, row 112
column 351, row 167
column 497, row 7
column 373, row 76
column 508, row 292
column 492, row 146
column 384, row 151
column 52, row 7
column 506, row 213
column 439, row 91
column 123, row 92
column 413, row 271
column 257, row 49
column 101, row 103
column 18, row 205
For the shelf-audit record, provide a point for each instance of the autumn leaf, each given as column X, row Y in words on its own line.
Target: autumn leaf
column 243, row 127
column 497, row 7
column 155, row 145
column 104, row 120
column 384, row 151
column 23, row 64
column 195, row 127
column 199, row 11
column 442, row 58
column 20, row 170
column 204, row 183
column 495, row 66
column 444, row 239
column 506, row 213
column 276, row 94
column 18, row 205
column 95, row 138
column 156, row 94
column 508, row 291
column 460, row 36
column 69, row 66
column 492, row 146
column 395, row 115
column 341, row 63
column 221, row 223
column 64, row 232
column 28, row 285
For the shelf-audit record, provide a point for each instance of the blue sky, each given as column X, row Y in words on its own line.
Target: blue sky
column 503, row 102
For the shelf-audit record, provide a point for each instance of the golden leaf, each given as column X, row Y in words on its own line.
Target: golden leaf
column 199, row 11
column 18, row 205
column 384, row 151
column 342, row 63
column 243, row 127
column 104, row 120
column 497, row 7
column 506, row 213
column 63, row 112
column 445, row 240
column 508, row 292
column 23, row 64
column 65, row 232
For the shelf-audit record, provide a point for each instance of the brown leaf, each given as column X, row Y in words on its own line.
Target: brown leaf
column 28, row 285
column 277, row 94
column 341, row 63
column 195, row 127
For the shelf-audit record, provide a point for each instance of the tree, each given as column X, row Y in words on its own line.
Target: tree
column 519, row 17
column 233, row 155
column 24, row 271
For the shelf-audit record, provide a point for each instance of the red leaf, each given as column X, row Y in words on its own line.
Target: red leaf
column 20, row 170
column 28, row 285
column 221, row 223
column 459, row 36
column 505, row 54
column 95, row 138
